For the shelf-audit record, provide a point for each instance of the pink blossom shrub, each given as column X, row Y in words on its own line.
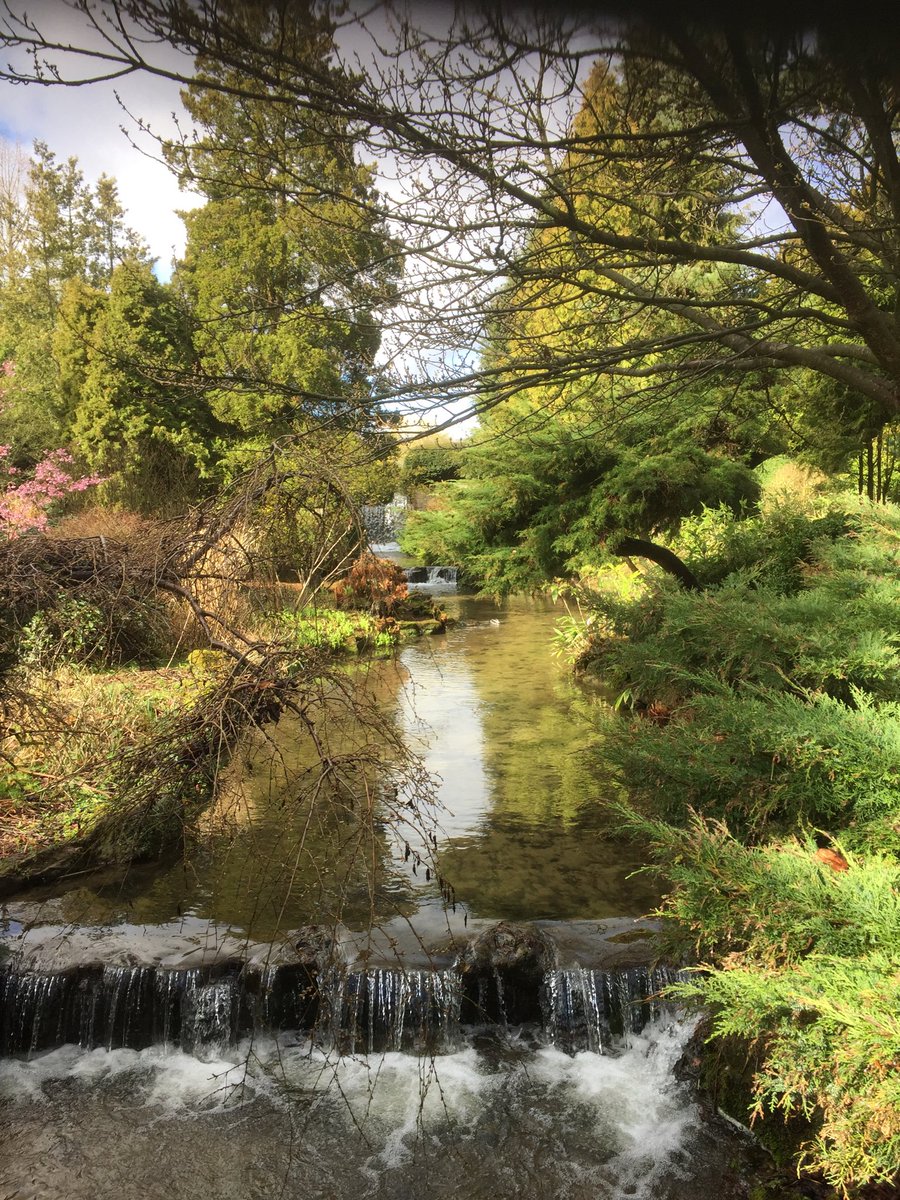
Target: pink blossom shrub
column 27, row 498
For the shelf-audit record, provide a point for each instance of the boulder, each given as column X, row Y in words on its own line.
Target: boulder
column 503, row 972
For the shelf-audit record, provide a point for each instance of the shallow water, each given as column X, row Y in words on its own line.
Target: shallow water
column 494, row 1119
column 520, row 828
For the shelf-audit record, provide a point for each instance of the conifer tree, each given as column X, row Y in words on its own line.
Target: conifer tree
column 286, row 267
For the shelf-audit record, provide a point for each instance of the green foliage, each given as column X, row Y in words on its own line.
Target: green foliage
column 124, row 358
column 811, row 971
column 74, row 631
column 83, row 631
column 668, row 644
column 771, row 550
column 533, row 509
column 285, row 267
column 70, row 233
column 764, row 718
column 424, row 465
column 766, row 760
column 334, row 630
column 802, row 603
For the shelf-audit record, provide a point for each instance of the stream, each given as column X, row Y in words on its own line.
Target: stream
column 164, row 1037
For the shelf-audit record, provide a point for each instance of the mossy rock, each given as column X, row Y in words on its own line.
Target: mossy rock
column 411, row 629
column 208, row 662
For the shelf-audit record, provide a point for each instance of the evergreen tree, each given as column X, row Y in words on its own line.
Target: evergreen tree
column 126, row 360
column 286, row 268
column 66, row 233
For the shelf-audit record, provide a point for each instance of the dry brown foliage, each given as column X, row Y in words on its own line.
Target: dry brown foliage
column 200, row 564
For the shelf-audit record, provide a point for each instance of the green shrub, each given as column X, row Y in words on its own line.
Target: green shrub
column 335, row 630
column 809, row 968
column 765, row 760
column 772, row 550
column 770, row 702
column 429, row 464
column 661, row 645
column 80, row 631
column 74, row 631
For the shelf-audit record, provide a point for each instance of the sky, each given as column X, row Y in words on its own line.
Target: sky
column 86, row 122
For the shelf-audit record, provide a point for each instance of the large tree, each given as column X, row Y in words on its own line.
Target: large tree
column 472, row 116
column 288, row 265
column 125, row 359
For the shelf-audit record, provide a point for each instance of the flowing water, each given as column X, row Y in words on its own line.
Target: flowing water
column 163, row 1038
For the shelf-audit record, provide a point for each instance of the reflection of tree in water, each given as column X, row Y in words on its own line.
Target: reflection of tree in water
column 531, row 836
column 522, row 871
column 536, row 721
column 301, row 829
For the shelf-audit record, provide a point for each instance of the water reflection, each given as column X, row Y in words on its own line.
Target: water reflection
column 521, row 829
column 513, row 738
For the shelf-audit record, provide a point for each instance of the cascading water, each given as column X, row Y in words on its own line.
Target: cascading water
column 382, row 1010
column 351, row 1011
column 430, row 577
column 384, row 523
column 388, row 1093
column 588, row 1009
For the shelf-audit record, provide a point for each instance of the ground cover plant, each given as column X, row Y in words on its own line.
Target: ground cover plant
column 757, row 734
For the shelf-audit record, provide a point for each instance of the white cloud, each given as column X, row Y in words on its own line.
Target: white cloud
column 87, row 122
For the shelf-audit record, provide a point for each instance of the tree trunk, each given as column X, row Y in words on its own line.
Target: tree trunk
column 638, row 548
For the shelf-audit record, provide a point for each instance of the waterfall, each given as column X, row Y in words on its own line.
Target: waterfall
column 376, row 1010
column 585, row 1009
column 384, row 522
column 431, row 576
column 351, row 1011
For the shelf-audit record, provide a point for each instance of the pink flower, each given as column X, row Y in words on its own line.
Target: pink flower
column 25, row 507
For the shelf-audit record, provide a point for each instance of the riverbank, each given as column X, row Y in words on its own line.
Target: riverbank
column 758, row 748
column 77, row 713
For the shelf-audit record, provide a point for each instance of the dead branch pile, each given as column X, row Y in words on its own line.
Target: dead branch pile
column 202, row 560
column 160, row 783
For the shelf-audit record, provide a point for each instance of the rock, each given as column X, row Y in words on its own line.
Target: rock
column 503, row 971
column 320, row 946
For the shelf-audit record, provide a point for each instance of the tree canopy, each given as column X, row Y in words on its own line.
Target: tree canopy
column 784, row 258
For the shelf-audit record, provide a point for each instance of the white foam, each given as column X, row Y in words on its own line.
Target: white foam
column 639, row 1105
column 628, row 1106
column 166, row 1079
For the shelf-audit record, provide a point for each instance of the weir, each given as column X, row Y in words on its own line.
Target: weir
column 429, row 576
column 348, row 1010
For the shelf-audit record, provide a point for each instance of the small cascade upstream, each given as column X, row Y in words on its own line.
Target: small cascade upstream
column 431, row 577
column 384, row 523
